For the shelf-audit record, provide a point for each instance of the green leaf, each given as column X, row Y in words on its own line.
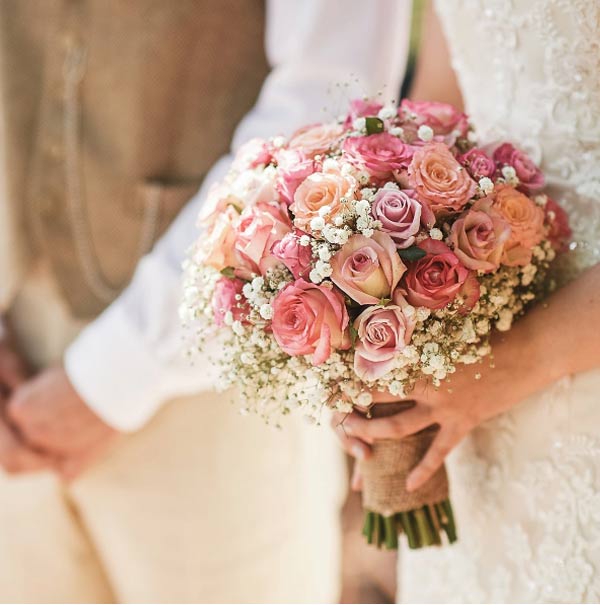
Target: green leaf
column 411, row 254
column 373, row 125
column 353, row 334
column 228, row 272
column 385, row 301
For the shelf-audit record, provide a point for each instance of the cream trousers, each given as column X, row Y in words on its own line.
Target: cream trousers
column 202, row 505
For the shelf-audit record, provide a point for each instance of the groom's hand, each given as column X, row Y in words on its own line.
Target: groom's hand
column 52, row 417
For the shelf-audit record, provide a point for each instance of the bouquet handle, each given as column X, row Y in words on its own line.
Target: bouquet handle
column 423, row 515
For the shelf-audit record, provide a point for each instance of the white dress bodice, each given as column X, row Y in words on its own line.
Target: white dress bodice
column 526, row 485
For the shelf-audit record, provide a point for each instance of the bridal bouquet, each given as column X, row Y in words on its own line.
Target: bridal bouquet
column 363, row 256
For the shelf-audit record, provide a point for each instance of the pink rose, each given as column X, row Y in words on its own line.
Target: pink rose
column 382, row 155
column 439, row 180
column 292, row 168
column 360, row 108
column 526, row 220
column 529, row 175
column 559, row 232
column 228, row 297
column 260, row 226
column 310, row 319
column 478, row 163
column 318, row 190
column 217, row 248
column 382, row 333
column 435, row 280
column 478, row 237
column 295, row 257
column 442, row 118
column 367, row 269
column 255, row 152
column 316, row 139
column 401, row 215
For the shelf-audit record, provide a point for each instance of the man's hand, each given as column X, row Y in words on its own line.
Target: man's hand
column 15, row 456
column 52, row 417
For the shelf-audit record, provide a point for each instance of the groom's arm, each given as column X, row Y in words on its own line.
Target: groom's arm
column 128, row 362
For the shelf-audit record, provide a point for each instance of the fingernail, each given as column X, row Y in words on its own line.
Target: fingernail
column 411, row 484
column 348, row 428
column 358, row 452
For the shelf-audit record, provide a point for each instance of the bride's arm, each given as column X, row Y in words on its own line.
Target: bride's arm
column 557, row 338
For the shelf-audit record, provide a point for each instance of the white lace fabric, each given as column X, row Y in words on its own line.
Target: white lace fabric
column 526, row 486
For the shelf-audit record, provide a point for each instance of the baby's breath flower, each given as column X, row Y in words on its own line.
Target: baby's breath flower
column 425, row 133
column 436, row 233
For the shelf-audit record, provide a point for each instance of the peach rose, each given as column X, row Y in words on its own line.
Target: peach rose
column 228, row 297
column 310, row 319
column 292, row 168
column 318, row 190
column 367, row 269
column 478, row 237
column 439, row 180
column 382, row 155
column 316, row 139
column 435, row 280
column 526, row 220
column 217, row 250
column 382, row 332
column 259, row 227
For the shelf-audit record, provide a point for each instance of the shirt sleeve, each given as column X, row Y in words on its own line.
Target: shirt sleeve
column 322, row 53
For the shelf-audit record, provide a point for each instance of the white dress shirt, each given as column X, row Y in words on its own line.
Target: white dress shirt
column 323, row 53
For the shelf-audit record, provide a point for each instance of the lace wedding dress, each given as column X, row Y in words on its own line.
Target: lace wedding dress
column 526, row 486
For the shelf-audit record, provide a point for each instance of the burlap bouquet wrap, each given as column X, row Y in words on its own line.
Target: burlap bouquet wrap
column 390, row 509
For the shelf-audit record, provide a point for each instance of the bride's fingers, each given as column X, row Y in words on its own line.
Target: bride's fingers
column 391, row 427
column 441, row 446
column 352, row 446
column 356, row 483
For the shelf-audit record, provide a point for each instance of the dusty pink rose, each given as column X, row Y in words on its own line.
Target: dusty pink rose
column 292, row 168
column 316, row 139
column 442, row 118
column 478, row 163
column 217, row 249
column 260, row 226
column 401, row 215
column 439, row 180
column 382, row 155
column 367, row 269
column 310, row 319
column 254, row 153
column 318, row 190
column 360, row 108
column 529, row 175
column 382, row 332
column 479, row 235
column 435, row 280
column 559, row 231
column 526, row 220
column 295, row 257
column 227, row 298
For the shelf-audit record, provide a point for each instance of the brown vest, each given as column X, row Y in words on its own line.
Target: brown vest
column 114, row 111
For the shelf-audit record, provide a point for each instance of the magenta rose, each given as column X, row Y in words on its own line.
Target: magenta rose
column 435, row 280
column 382, row 332
column 259, row 227
column 367, row 269
column 478, row 237
column 310, row 319
column 442, row 118
column 478, row 163
column 439, row 180
column 559, row 232
column 295, row 257
column 401, row 215
column 529, row 175
column 359, row 108
column 292, row 168
column 382, row 155
column 228, row 297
